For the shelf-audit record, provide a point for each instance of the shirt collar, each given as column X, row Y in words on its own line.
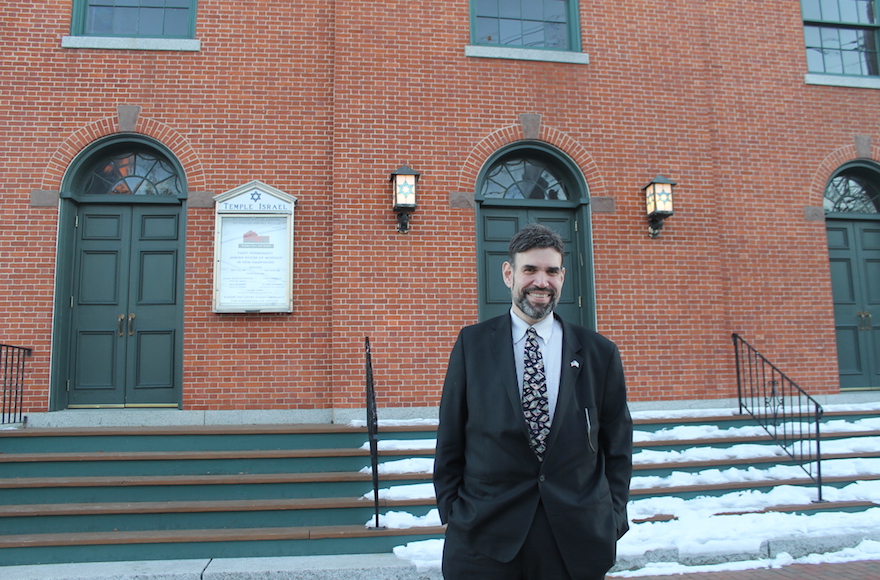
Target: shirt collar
column 544, row 327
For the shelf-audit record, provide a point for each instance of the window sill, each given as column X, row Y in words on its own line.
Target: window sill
column 526, row 54
column 131, row 43
column 842, row 81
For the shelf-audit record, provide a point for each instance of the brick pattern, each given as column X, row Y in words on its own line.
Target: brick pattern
column 324, row 100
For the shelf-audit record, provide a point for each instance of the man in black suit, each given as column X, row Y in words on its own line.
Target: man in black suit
column 534, row 447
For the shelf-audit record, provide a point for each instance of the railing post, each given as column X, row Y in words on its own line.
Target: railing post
column 372, row 428
column 818, row 416
column 739, row 392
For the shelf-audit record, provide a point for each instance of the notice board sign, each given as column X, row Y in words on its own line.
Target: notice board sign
column 253, row 249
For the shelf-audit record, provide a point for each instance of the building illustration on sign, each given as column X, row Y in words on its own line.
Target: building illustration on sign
column 251, row 237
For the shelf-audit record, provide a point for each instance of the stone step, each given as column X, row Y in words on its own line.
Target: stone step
column 51, row 548
column 145, row 516
column 135, row 463
column 695, row 466
column 809, row 508
column 692, row 491
column 195, row 487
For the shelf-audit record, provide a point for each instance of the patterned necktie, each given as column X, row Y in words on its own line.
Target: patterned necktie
column 534, row 396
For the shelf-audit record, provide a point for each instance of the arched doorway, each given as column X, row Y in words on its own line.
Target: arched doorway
column 534, row 182
column 852, row 218
column 119, row 291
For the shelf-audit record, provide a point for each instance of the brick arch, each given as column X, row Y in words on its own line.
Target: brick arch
column 77, row 141
column 832, row 163
column 483, row 150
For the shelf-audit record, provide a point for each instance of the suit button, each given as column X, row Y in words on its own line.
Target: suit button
column 541, row 478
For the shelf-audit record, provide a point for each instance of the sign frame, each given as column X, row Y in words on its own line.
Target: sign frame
column 253, row 250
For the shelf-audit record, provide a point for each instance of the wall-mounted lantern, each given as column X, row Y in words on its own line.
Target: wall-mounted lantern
column 658, row 203
column 403, row 195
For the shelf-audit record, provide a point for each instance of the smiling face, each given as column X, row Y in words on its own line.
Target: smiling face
column 535, row 281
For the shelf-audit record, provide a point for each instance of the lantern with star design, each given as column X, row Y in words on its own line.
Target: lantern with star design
column 658, row 203
column 403, row 195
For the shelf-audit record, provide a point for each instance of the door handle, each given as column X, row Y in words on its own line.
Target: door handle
column 131, row 324
column 119, row 320
column 868, row 320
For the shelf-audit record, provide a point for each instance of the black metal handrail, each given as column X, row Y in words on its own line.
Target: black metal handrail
column 12, row 359
column 372, row 428
column 782, row 408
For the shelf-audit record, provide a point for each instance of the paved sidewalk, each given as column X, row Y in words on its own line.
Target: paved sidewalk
column 864, row 570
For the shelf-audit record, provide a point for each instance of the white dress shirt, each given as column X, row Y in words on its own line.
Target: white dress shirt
column 550, row 344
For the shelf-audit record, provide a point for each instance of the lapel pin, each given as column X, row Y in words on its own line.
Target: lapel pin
column 575, row 364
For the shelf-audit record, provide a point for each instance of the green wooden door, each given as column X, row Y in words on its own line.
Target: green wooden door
column 497, row 225
column 126, row 307
column 854, row 252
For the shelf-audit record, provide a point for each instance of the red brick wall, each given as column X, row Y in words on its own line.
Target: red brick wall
column 324, row 105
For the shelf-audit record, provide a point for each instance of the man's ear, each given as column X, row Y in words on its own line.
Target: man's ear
column 507, row 274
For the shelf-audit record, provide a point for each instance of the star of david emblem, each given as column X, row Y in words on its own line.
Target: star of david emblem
column 405, row 191
column 256, row 195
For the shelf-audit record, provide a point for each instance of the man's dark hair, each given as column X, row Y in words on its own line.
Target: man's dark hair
column 534, row 236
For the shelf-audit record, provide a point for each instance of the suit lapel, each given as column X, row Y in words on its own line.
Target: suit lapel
column 502, row 342
column 572, row 365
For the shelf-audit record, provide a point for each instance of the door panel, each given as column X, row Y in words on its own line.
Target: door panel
column 97, row 272
column 154, row 360
column 100, row 296
column 127, row 307
column 854, row 252
column 158, row 284
column 96, row 372
column 849, row 360
column 156, row 302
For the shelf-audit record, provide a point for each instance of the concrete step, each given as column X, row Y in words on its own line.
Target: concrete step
column 197, row 438
column 808, row 508
column 138, row 463
column 117, row 489
column 51, row 548
column 183, row 515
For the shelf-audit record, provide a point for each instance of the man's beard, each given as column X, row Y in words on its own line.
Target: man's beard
column 540, row 311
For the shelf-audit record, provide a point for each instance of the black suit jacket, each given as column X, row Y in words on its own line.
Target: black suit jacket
column 487, row 478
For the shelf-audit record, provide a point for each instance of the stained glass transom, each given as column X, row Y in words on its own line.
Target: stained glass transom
column 855, row 190
column 133, row 174
column 524, row 178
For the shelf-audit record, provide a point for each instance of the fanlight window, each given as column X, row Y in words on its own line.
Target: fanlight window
column 137, row 173
column 853, row 190
column 524, row 178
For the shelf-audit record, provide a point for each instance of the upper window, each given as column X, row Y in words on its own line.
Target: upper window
column 841, row 36
column 545, row 24
column 854, row 189
column 135, row 18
